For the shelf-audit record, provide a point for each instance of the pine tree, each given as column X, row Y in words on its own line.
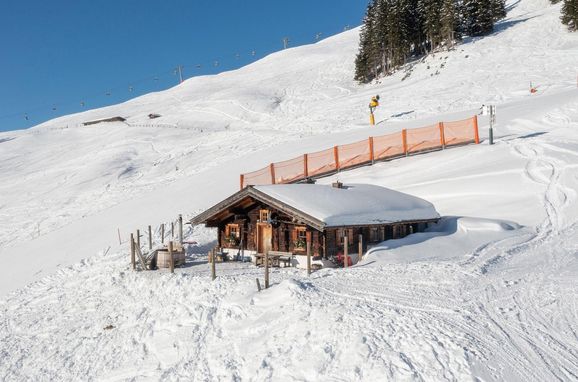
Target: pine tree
column 397, row 33
column 381, row 35
column 364, row 62
column 362, row 59
column 395, row 30
column 478, row 17
column 413, row 33
column 498, row 9
column 430, row 12
column 570, row 14
column 449, row 22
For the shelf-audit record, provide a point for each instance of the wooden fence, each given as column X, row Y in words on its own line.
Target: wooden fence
column 385, row 147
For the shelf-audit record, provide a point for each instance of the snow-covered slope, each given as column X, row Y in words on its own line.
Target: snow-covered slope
column 488, row 294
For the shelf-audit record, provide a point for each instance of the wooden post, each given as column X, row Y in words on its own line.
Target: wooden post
column 442, row 135
column 241, row 181
column 119, row 239
column 171, row 259
column 267, row 268
column 371, row 154
column 360, row 247
column 324, row 247
column 242, row 241
column 382, row 232
column 258, row 285
column 272, row 170
column 132, row 252
column 138, row 238
column 181, row 229
column 305, row 166
column 345, row 251
column 404, row 140
column 163, row 233
column 308, row 253
column 213, row 265
column 476, row 133
column 150, row 238
column 336, row 157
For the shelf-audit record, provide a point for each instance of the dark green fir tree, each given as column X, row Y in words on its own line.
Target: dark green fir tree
column 478, row 17
column 498, row 9
column 570, row 14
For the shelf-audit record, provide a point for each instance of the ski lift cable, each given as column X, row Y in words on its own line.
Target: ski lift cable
column 220, row 62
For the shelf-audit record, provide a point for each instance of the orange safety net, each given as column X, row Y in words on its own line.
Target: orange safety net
column 354, row 154
column 388, row 146
column 290, row 170
column 384, row 147
column 321, row 162
column 259, row 177
column 459, row 132
column 424, row 138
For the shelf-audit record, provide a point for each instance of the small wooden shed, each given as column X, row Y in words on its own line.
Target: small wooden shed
column 110, row 119
column 284, row 217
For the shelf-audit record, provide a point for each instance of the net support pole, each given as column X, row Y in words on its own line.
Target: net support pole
column 404, row 140
column 371, row 153
column 442, row 136
column 336, row 157
column 476, row 133
column 272, row 171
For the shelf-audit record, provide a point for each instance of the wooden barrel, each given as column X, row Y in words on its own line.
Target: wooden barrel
column 163, row 258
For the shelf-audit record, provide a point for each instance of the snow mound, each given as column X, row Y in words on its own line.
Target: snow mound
column 466, row 224
column 451, row 238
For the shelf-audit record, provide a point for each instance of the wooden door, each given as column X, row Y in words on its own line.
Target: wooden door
column 264, row 237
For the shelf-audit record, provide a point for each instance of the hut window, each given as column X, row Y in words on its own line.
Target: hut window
column 231, row 235
column 300, row 237
column 232, row 230
column 263, row 215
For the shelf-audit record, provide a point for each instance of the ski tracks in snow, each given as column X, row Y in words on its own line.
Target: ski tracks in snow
column 535, row 313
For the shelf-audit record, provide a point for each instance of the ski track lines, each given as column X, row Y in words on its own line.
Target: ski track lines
column 394, row 320
column 527, row 327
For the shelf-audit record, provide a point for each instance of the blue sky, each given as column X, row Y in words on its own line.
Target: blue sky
column 57, row 55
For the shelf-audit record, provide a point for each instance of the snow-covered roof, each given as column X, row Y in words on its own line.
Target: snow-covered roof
column 354, row 204
column 324, row 206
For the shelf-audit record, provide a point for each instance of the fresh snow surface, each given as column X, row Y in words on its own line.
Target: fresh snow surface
column 488, row 294
column 354, row 204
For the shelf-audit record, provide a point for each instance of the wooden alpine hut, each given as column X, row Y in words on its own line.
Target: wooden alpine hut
column 285, row 217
